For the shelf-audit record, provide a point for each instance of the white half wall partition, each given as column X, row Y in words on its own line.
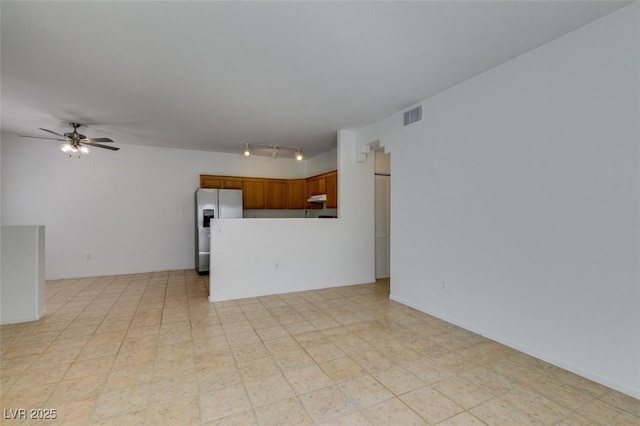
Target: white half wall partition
column 269, row 256
column 22, row 294
column 520, row 190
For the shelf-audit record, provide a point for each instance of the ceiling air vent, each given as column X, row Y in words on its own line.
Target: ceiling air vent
column 413, row 115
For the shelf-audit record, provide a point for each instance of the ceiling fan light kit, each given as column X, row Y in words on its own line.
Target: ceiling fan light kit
column 76, row 143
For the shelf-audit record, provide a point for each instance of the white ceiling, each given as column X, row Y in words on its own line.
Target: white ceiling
column 213, row 75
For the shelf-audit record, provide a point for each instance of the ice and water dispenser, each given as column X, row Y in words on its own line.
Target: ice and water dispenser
column 207, row 215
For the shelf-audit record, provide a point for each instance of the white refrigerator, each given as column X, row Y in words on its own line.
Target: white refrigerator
column 212, row 204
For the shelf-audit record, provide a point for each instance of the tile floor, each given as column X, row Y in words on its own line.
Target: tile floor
column 150, row 349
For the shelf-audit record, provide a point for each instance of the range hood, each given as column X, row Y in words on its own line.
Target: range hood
column 317, row 198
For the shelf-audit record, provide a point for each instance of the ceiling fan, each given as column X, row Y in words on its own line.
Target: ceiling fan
column 75, row 142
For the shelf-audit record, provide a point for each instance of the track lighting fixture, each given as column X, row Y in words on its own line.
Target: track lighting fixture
column 274, row 151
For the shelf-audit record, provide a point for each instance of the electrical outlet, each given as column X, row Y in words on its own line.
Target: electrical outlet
column 89, row 256
column 277, row 266
column 444, row 284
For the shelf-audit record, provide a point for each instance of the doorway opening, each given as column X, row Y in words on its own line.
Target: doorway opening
column 382, row 214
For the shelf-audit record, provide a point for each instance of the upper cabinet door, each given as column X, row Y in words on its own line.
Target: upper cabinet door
column 209, row 181
column 253, row 194
column 296, row 194
column 276, row 194
column 232, row 183
column 332, row 190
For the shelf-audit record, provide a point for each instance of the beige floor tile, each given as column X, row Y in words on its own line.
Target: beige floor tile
column 430, row 404
column 311, row 338
column 20, row 351
column 244, row 418
column 218, row 377
column 560, row 393
column 325, row 352
column 497, row 412
column 282, row 344
column 392, row 412
column 122, row 401
column 223, row 402
column 355, row 418
column 205, row 361
column 185, row 411
column 373, row 361
column 352, row 344
column 135, row 349
column 71, row 413
column 176, row 388
column 286, row 412
column 90, row 367
column 211, row 345
column 293, row 360
column 603, row 413
column 122, row 379
column 534, row 405
column 326, row 404
column 134, row 418
column 239, row 327
column 78, row 389
column 427, row 370
column 574, row 420
column 27, row 397
column 40, row 376
column 465, row 393
column 175, row 368
column 462, row 419
column 398, row 380
column 622, row 401
column 306, row 379
column 299, row 327
column 258, row 368
column 249, row 351
column 342, row 369
column 268, row 389
column 365, row 391
column 270, row 333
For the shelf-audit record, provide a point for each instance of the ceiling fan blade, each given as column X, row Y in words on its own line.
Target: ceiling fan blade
column 96, row 140
column 112, row 148
column 51, row 131
column 40, row 137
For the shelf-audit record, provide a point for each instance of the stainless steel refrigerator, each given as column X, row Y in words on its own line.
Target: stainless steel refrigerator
column 213, row 204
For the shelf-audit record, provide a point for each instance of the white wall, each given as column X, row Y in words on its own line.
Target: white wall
column 132, row 209
column 520, row 189
column 266, row 256
column 322, row 163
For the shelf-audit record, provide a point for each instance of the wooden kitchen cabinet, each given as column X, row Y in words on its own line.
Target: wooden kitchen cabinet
column 264, row 193
column 232, row 183
column 253, row 193
column 221, row 182
column 312, row 186
column 332, row 189
column 322, row 184
column 316, row 185
column 296, row 193
column 209, row 181
column 276, row 194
